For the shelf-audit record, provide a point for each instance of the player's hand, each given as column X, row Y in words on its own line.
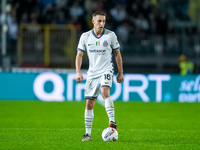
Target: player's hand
column 79, row 77
column 120, row 77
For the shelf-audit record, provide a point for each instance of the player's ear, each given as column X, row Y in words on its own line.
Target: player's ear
column 93, row 20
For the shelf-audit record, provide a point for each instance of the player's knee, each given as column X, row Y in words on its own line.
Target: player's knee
column 105, row 93
column 90, row 104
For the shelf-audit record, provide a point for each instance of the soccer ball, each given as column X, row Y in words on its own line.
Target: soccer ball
column 109, row 134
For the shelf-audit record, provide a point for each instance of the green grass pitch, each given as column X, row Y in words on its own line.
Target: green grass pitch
column 60, row 125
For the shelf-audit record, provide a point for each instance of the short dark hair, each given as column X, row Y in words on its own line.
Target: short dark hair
column 98, row 13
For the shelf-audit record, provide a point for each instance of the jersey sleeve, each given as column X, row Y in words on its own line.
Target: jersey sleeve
column 114, row 42
column 81, row 44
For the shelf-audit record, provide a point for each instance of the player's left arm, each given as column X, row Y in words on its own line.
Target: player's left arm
column 118, row 58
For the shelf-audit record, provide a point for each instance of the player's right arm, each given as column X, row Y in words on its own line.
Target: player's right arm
column 79, row 57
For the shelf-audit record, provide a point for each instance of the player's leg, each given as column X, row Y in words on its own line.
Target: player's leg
column 106, row 84
column 89, row 117
column 109, row 106
column 92, row 90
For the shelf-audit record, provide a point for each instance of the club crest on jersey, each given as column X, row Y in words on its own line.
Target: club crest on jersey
column 105, row 43
column 97, row 43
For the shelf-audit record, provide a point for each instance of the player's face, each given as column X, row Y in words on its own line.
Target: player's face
column 99, row 22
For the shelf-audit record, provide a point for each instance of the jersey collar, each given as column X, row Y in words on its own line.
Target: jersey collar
column 101, row 34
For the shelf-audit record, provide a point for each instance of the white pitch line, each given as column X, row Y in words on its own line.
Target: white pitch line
column 62, row 129
column 102, row 103
column 32, row 129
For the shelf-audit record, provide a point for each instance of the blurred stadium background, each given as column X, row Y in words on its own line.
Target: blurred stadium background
column 152, row 33
column 37, row 63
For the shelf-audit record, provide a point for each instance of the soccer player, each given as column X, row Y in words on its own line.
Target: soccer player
column 100, row 45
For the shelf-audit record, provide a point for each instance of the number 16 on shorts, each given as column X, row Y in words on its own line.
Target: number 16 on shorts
column 107, row 80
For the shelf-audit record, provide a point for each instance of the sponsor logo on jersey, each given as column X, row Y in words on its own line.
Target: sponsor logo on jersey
column 105, row 43
column 97, row 43
column 99, row 52
column 89, row 44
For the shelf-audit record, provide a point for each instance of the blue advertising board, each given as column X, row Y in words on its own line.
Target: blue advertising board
column 50, row 86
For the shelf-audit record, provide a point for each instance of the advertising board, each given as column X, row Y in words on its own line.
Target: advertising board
column 50, row 86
